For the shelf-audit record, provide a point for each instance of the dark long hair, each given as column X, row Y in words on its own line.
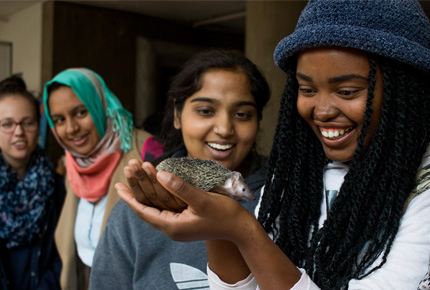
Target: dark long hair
column 188, row 81
column 365, row 216
column 15, row 86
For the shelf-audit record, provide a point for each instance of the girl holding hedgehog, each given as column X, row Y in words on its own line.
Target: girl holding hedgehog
column 346, row 200
column 213, row 111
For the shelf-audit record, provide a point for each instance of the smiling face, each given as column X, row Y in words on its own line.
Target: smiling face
column 220, row 121
column 73, row 123
column 18, row 145
column 333, row 89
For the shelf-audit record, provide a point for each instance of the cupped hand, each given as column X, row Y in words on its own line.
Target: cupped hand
column 141, row 178
column 207, row 216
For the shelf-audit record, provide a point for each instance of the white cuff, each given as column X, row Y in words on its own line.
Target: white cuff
column 249, row 283
column 305, row 282
column 215, row 283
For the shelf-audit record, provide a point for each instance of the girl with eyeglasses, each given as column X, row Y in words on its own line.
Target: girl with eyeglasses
column 31, row 195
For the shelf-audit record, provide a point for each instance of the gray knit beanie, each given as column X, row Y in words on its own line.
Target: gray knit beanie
column 398, row 29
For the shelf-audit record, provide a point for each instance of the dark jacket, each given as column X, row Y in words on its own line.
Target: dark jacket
column 38, row 266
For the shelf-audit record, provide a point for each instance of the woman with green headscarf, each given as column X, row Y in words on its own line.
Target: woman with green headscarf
column 97, row 133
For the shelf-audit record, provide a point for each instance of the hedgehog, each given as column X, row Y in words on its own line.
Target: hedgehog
column 208, row 175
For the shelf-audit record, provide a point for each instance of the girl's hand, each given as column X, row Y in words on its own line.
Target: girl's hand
column 207, row 215
column 141, row 178
column 212, row 216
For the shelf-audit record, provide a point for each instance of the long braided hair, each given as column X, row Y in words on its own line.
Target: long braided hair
column 365, row 216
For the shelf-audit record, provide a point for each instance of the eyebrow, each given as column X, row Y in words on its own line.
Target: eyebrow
column 203, row 99
column 72, row 110
column 335, row 79
column 12, row 119
column 25, row 118
column 245, row 103
column 209, row 100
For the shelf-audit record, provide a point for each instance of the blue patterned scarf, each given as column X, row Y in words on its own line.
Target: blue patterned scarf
column 23, row 203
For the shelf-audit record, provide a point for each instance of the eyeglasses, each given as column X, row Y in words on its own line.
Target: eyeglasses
column 9, row 126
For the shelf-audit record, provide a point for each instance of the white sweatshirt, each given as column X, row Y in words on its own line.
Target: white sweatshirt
column 406, row 263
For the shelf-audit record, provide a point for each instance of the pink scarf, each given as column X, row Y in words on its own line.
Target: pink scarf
column 90, row 174
column 92, row 182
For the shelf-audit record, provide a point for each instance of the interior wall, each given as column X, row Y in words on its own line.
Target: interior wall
column 5, row 59
column 146, row 80
column 426, row 6
column 105, row 41
column 267, row 22
column 157, row 62
column 24, row 31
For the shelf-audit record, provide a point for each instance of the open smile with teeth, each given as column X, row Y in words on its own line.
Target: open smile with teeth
column 334, row 133
column 77, row 138
column 219, row 146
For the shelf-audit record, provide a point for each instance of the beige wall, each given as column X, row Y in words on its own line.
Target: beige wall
column 24, row 30
column 267, row 22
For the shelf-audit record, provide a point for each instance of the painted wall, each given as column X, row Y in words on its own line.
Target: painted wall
column 267, row 22
column 24, row 30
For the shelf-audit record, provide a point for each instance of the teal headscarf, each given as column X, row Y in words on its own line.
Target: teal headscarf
column 100, row 102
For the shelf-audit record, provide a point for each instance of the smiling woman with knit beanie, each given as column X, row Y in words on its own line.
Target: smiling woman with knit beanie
column 97, row 134
column 346, row 203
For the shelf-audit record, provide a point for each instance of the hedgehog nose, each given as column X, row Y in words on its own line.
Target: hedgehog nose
column 243, row 189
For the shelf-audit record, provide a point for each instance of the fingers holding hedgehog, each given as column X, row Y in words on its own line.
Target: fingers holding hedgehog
column 208, row 175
